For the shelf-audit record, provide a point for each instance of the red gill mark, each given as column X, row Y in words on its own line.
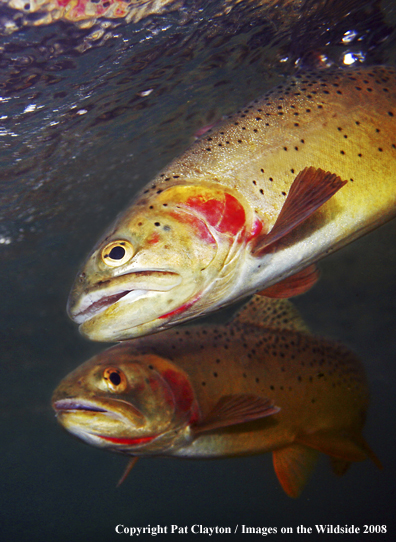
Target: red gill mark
column 255, row 231
column 211, row 209
column 128, row 441
column 234, row 216
column 226, row 215
column 181, row 388
column 198, row 225
column 195, row 415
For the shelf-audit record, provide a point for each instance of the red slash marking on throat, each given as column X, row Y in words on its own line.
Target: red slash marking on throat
column 128, row 441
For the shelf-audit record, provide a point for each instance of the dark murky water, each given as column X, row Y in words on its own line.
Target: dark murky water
column 87, row 116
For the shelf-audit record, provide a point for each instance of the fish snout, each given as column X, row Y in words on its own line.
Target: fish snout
column 72, row 404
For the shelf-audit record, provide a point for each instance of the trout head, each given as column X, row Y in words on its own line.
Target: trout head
column 132, row 404
column 163, row 254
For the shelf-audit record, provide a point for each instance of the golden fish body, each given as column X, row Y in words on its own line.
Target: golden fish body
column 253, row 386
column 248, row 205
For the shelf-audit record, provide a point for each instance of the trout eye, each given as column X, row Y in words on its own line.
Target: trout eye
column 115, row 379
column 117, row 253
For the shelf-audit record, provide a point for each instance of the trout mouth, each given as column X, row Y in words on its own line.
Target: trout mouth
column 99, row 306
column 83, row 405
column 129, row 287
column 74, row 406
column 71, row 405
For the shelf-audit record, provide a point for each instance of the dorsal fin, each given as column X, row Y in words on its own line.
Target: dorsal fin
column 271, row 313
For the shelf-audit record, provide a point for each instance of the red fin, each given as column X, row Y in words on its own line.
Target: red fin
column 342, row 446
column 128, row 469
column 310, row 190
column 296, row 284
column 293, row 466
column 235, row 409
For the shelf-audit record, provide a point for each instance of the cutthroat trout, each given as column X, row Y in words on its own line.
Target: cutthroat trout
column 261, row 383
column 250, row 207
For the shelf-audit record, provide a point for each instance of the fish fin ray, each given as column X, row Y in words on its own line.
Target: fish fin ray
column 129, row 467
column 349, row 447
column 296, row 284
column 293, row 466
column 369, row 452
column 310, row 190
column 236, row 409
column 278, row 314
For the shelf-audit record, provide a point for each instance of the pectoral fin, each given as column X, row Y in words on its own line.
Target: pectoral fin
column 129, row 467
column 297, row 284
column 293, row 466
column 310, row 190
column 235, row 409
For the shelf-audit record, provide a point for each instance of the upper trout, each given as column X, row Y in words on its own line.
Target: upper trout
column 251, row 206
column 261, row 383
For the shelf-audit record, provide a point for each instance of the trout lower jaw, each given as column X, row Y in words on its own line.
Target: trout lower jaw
column 89, row 301
column 139, row 312
column 83, row 419
column 95, row 307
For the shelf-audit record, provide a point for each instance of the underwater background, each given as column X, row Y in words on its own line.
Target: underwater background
column 89, row 113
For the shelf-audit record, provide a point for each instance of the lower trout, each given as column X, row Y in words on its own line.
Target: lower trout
column 261, row 383
column 251, row 206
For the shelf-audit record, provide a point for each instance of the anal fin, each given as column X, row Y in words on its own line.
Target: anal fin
column 296, row 284
column 293, row 466
column 348, row 447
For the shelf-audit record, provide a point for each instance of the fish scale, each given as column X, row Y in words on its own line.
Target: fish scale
column 250, row 207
